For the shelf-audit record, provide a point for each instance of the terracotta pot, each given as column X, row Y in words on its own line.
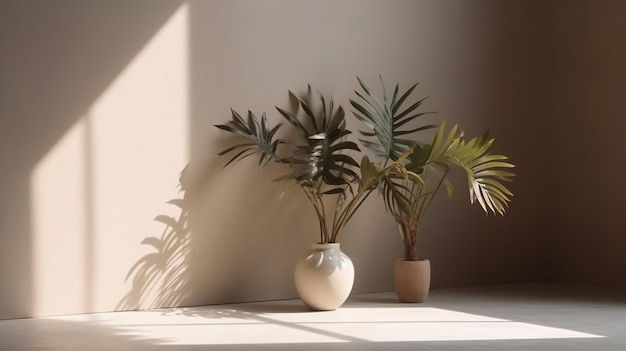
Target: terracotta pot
column 412, row 280
column 324, row 277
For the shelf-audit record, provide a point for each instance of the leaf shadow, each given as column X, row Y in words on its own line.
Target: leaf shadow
column 161, row 277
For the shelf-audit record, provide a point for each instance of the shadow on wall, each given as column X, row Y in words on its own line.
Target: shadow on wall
column 167, row 267
column 222, row 216
column 161, row 278
column 167, row 275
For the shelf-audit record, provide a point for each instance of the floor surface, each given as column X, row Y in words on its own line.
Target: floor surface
column 538, row 316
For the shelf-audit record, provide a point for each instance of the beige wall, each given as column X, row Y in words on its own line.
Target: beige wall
column 91, row 138
column 590, row 132
column 103, row 103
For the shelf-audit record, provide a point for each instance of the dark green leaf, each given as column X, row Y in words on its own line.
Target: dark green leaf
column 400, row 101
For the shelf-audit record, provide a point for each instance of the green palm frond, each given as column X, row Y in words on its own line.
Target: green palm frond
column 323, row 154
column 387, row 120
column 420, row 170
column 398, row 187
column 397, row 196
column 259, row 136
column 485, row 172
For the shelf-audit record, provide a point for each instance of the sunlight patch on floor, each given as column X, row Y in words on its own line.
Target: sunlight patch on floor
column 224, row 326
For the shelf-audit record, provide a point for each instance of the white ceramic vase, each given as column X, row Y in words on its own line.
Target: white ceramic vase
column 324, row 277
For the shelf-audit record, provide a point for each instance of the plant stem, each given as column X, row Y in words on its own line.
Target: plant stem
column 409, row 240
column 320, row 215
column 431, row 196
column 349, row 212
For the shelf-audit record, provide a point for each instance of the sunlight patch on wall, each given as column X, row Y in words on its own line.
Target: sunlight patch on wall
column 58, row 224
column 96, row 193
column 139, row 147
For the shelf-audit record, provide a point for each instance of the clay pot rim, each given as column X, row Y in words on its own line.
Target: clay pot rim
column 418, row 260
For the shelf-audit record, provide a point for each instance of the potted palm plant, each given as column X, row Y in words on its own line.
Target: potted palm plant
column 409, row 190
column 320, row 162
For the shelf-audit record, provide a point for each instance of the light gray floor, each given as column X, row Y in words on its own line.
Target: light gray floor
column 542, row 316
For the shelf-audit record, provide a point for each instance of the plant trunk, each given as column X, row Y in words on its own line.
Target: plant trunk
column 408, row 231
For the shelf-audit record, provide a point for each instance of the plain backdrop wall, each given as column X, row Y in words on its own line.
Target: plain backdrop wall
column 589, row 130
column 102, row 104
